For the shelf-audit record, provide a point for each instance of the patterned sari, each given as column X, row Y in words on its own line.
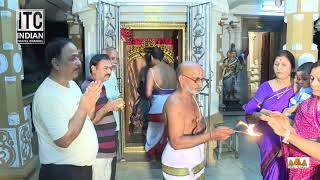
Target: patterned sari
column 272, row 166
column 307, row 125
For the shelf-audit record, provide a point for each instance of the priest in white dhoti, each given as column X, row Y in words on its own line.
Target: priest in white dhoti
column 183, row 156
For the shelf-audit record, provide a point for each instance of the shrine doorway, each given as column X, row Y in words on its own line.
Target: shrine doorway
column 185, row 36
column 135, row 39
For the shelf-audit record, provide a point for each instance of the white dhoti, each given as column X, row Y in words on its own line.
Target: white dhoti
column 156, row 138
column 101, row 168
column 183, row 164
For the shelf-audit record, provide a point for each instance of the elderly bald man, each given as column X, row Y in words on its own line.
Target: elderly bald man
column 113, row 93
column 183, row 157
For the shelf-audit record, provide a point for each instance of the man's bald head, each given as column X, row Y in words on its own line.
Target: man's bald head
column 190, row 77
column 113, row 55
column 109, row 49
column 188, row 68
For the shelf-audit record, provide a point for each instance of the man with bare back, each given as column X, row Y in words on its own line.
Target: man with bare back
column 160, row 83
column 183, row 156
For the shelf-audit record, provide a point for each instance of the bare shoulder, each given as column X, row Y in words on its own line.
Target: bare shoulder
column 173, row 102
column 151, row 72
column 156, row 70
column 173, row 110
column 156, row 67
column 151, row 69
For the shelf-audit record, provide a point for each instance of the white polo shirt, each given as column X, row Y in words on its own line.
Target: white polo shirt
column 53, row 107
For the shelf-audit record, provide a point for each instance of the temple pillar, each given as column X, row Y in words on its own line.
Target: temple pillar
column 220, row 58
column 299, row 16
column 75, row 32
column 90, row 35
column 219, row 8
column 16, row 160
column 88, row 16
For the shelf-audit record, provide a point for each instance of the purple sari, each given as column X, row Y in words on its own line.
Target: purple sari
column 272, row 166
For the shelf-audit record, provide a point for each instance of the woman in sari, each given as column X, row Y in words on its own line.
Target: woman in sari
column 303, row 140
column 273, row 95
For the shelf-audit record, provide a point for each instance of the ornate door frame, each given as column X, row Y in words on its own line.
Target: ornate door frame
column 196, row 43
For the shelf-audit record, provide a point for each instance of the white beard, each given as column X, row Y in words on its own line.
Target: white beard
column 193, row 92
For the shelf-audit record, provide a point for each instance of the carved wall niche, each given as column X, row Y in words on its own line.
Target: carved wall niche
column 8, row 148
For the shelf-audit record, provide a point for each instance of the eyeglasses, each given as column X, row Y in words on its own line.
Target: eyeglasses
column 196, row 80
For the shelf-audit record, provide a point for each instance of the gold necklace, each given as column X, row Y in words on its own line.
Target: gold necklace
column 278, row 87
column 282, row 93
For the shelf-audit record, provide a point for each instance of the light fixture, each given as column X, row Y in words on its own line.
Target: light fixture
column 278, row 3
column 272, row 6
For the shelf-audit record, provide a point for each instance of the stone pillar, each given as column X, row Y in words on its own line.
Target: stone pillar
column 88, row 18
column 219, row 64
column 75, row 32
column 218, row 8
column 299, row 16
column 16, row 159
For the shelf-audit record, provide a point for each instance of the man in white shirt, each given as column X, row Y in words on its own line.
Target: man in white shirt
column 113, row 93
column 61, row 115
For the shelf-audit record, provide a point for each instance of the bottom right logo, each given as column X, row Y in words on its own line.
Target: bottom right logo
column 298, row 162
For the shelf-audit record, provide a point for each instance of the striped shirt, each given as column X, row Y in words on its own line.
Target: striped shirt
column 106, row 128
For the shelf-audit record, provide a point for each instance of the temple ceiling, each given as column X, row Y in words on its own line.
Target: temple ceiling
column 58, row 10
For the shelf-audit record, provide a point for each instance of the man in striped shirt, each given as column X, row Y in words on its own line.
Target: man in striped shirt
column 104, row 122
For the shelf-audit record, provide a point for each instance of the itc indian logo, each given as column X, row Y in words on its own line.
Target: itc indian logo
column 30, row 26
column 298, row 162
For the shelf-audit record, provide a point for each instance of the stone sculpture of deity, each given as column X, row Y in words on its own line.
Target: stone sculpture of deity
column 231, row 67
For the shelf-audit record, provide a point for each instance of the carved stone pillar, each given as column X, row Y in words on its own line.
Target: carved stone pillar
column 75, row 32
column 299, row 16
column 90, row 35
column 216, row 117
column 16, row 158
column 219, row 75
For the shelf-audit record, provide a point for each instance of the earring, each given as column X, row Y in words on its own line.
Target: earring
column 57, row 66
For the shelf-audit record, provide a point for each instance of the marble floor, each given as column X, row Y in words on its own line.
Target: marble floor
column 246, row 167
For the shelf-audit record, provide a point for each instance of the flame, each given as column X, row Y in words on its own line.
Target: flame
column 250, row 129
column 243, row 124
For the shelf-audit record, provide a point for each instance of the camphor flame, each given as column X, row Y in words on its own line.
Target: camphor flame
column 250, row 129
